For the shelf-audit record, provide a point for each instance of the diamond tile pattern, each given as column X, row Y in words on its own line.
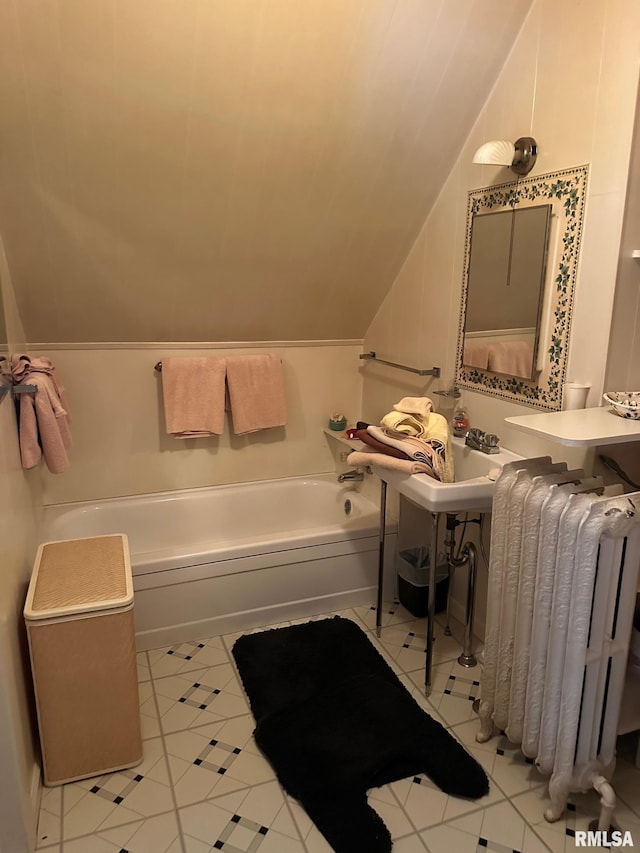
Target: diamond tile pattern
column 204, row 786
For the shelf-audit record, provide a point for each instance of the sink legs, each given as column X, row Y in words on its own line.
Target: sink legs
column 431, row 606
column 467, row 658
column 469, row 555
column 383, row 517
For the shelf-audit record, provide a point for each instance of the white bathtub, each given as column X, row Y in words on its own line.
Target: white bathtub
column 212, row 560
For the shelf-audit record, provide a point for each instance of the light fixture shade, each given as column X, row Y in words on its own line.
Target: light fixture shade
column 498, row 152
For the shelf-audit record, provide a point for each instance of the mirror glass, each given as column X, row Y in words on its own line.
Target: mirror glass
column 507, row 258
column 507, row 267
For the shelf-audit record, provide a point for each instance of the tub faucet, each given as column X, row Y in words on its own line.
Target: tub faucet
column 485, row 442
column 351, row 476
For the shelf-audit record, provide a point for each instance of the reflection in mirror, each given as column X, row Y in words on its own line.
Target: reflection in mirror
column 505, row 288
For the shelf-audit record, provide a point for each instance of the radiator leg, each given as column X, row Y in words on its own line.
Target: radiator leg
column 607, row 804
column 559, row 786
column 486, row 723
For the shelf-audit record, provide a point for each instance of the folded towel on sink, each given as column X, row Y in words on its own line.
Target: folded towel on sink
column 430, row 452
column 421, row 407
column 402, row 422
column 381, row 447
column 359, row 458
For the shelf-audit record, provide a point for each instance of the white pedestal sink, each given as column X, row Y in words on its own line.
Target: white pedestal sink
column 472, row 491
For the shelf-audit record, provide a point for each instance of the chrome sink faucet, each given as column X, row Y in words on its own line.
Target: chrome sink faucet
column 351, row 476
column 484, row 442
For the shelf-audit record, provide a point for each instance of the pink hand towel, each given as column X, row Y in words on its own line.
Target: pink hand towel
column 514, row 358
column 44, row 418
column 193, row 391
column 476, row 354
column 256, row 392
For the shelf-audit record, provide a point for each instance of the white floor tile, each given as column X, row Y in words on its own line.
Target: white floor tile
column 51, row 800
column 148, row 712
column 215, row 759
column 445, row 838
column 91, row 844
column 503, row 761
column 411, row 844
column 453, row 689
column 49, row 818
column 194, row 845
column 392, row 614
column 48, row 831
column 500, row 824
column 204, row 822
column 117, row 798
column 187, row 657
column 195, row 698
column 211, row 730
column 144, row 672
column 155, row 835
column 393, row 815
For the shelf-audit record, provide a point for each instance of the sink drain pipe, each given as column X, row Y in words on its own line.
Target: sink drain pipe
column 468, row 555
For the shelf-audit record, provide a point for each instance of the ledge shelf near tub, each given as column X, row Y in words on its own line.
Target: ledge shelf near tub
column 579, row 427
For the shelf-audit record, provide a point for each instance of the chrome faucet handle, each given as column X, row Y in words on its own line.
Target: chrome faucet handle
column 491, row 440
column 475, row 433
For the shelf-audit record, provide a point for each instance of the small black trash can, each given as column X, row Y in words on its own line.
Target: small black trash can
column 412, row 566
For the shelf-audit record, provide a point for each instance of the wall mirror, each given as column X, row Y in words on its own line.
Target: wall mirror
column 521, row 252
column 507, row 263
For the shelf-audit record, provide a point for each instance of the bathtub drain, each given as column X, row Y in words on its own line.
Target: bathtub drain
column 347, row 507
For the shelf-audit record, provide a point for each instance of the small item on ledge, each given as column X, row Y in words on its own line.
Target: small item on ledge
column 460, row 421
column 337, row 422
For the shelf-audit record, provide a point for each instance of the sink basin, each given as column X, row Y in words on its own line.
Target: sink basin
column 472, row 491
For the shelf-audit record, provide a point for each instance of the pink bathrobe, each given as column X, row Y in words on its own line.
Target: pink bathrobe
column 44, row 418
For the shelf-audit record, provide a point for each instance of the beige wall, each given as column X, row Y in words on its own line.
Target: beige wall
column 19, row 496
column 623, row 368
column 571, row 82
column 121, row 446
column 172, row 168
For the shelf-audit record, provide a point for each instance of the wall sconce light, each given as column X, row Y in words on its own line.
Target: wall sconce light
column 519, row 155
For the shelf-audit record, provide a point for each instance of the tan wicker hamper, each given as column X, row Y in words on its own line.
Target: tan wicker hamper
column 79, row 619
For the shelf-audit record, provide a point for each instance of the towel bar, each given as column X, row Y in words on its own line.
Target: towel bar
column 158, row 366
column 16, row 390
column 434, row 371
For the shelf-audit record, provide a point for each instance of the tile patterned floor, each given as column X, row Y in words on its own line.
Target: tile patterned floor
column 204, row 786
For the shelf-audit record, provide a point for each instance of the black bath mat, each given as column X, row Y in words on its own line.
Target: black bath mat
column 334, row 721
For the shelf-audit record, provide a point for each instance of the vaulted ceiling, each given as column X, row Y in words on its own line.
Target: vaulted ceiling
column 214, row 170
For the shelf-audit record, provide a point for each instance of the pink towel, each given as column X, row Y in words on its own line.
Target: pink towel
column 256, row 392
column 476, row 354
column 364, row 457
column 44, row 417
column 193, row 391
column 515, row 358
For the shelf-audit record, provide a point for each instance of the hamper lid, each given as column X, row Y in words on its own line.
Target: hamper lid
column 73, row 576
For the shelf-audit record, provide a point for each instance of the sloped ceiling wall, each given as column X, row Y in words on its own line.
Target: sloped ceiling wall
column 232, row 170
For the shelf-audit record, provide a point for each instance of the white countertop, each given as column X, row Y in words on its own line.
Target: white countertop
column 579, row 427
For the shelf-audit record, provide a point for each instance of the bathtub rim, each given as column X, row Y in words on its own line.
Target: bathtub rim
column 205, row 553
column 322, row 476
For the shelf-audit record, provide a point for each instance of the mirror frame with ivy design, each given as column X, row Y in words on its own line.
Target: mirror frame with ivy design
column 566, row 191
